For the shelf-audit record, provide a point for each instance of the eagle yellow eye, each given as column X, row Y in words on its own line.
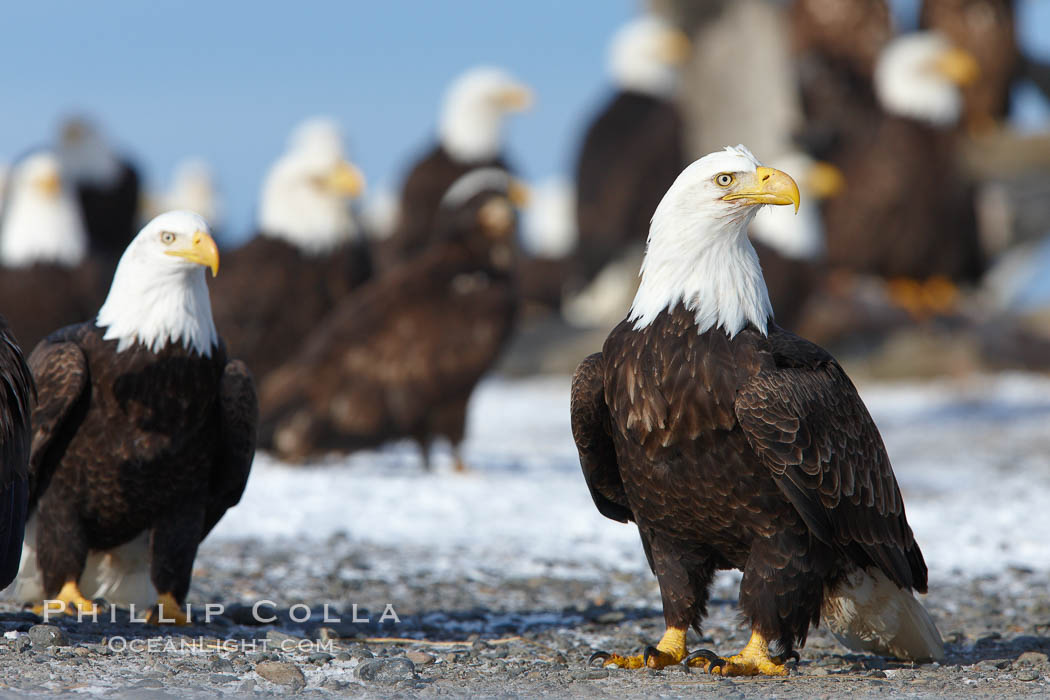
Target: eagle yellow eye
column 167, row 237
column 724, row 180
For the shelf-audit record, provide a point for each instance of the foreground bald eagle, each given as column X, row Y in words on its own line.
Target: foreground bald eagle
column 307, row 255
column 143, row 435
column 400, row 357
column 48, row 279
column 470, row 136
column 733, row 444
column 634, row 147
column 107, row 187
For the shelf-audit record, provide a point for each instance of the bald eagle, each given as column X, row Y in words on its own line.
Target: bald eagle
column 107, row 187
column 733, row 444
column 836, row 48
column 143, row 435
column 15, row 400
column 307, row 255
column 48, row 279
column 633, row 148
column 470, row 136
column 400, row 357
column 907, row 210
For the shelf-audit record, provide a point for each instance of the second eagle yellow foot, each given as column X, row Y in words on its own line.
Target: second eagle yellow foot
column 754, row 660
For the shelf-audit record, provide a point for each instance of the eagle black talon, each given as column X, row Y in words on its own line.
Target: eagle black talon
column 649, row 651
column 602, row 656
column 713, row 660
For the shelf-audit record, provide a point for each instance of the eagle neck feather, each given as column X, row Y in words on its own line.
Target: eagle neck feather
column 705, row 263
column 157, row 307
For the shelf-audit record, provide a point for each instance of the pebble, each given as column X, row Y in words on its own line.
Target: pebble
column 390, row 670
column 1032, row 658
column 420, row 658
column 221, row 665
column 1028, row 674
column 282, row 673
column 319, row 658
column 44, row 636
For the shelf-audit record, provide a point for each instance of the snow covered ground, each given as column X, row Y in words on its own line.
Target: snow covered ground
column 972, row 457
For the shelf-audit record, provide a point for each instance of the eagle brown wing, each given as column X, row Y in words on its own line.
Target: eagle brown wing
column 239, row 416
column 17, row 391
column 62, row 377
column 804, row 419
column 591, row 431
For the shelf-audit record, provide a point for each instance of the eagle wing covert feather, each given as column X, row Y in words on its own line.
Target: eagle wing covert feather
column 18, row 391
column 808, row 425
column 62, row 375
column 590, row 430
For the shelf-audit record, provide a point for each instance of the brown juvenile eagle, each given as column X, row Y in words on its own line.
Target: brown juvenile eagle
column 143, row 434
column 733, row 444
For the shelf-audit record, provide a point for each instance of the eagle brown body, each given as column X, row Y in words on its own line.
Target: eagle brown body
column 15, row 399
column 751, row 453
column 631, row 153
column 421, row 193
column 401, row 356
column 46, row 296
column 892, row 219
column 111, row 212
column 131, row 442
column 271, row 295
column 836, row 52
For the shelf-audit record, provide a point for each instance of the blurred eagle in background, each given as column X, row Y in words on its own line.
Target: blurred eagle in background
column 399, row 358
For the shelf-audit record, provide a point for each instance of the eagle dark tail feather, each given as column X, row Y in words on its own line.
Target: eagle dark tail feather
column 14, row 501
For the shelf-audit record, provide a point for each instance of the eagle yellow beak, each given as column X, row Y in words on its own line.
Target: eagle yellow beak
column 769, row 186
column 50, row 184
column 958, row 66
column 675, row 48
column 518, row 193
column 345, row 180
column 203, row 251
column 824, row 181
column 515, row 99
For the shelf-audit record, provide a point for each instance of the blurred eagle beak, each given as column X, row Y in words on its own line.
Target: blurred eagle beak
column 824, row 181
column 203, row 251
column 345, row 179
column 676, row 48
column 50, row 184
column 518, row 193
column 769, row 186
column 516, row 99
column 958, row 66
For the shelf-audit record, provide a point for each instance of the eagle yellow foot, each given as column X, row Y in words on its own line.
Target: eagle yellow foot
column 168, row 612
column 72, row 600
column 754, row 660
column 936, row 296
column 670, row 651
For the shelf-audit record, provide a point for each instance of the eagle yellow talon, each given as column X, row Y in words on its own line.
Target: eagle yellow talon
column 670, row 651
column 754, row 660
column 73, row 601
column 168, row 612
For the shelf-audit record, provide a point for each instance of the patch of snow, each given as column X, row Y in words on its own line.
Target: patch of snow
column 972, row 457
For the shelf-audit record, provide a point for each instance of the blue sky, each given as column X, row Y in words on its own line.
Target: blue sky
column 227, row 80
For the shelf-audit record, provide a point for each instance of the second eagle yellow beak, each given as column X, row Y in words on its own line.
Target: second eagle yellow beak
column 766, row 186
column 202, row 251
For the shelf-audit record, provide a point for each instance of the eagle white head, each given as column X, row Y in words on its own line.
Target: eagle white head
column 42, row 222
column 919, row 76
column 645, row 55
column 698, row 253
column 192, row 188
column 85, row 155
column 475, row 108
column 306, row 194
column 159, row 294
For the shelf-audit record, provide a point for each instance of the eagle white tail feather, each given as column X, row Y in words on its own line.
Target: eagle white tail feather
column 870, row 613
column 121, row 575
